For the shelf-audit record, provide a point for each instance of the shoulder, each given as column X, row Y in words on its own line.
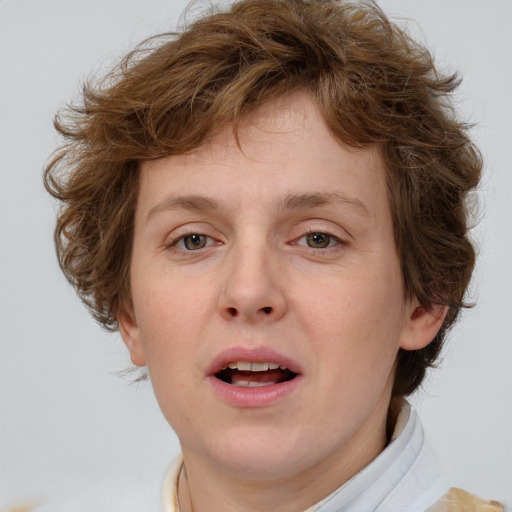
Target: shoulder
column 457, row 500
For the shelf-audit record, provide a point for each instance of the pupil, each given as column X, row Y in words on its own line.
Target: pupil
column 319, row 240
column 195, row 242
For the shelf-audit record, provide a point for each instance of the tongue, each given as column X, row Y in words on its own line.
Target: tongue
column 272, row 376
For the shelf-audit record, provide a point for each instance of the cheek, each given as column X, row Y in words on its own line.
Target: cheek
column 356, row 320
column 173, row 315
column 168, row 333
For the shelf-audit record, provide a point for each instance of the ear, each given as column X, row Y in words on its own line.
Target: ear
column 130, row 333
column 422, row 325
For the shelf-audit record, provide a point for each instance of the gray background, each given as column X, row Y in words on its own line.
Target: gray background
column 66, row 418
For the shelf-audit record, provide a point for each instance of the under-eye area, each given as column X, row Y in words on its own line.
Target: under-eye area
column 247, row 374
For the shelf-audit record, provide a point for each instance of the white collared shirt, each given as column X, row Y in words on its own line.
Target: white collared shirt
column 403, row 478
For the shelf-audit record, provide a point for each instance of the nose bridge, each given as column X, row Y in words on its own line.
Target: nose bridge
column 251, row 283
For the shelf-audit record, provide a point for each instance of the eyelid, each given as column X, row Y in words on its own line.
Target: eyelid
column 309, row 225
column 338, row 241
column 174, row 241
column 180, row 233
column 181, row 241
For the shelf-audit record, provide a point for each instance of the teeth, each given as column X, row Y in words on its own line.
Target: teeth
column 246, row 366
column 260, row 384
column 241, row 383
column 247, row 384
column 259, row 367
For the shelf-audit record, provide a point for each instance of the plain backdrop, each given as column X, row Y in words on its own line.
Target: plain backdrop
column 66, row 417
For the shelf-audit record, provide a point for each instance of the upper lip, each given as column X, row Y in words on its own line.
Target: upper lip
column 252, row 355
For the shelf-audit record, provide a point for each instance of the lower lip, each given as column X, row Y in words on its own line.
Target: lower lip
column 263, row 396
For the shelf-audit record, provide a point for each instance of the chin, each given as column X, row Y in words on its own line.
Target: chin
column 267, row 453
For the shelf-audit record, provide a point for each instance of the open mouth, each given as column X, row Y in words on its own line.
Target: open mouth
column 253, row 375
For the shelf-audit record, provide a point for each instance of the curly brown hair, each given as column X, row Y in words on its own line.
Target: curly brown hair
column 373, row 85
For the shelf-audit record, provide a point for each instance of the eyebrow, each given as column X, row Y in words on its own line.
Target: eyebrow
column 190, row 202
column 198, row 203
column 313, row 199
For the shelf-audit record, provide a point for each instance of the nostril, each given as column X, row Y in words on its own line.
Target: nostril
column 232, row 311
column 267, row 310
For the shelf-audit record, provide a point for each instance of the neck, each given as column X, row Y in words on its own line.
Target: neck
column 208, row 488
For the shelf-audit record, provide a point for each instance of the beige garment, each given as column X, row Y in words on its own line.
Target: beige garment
column 457, row 500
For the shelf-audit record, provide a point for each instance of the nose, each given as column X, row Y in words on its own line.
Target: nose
column 251, row 286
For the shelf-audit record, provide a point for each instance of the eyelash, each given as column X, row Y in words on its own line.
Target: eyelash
column 181, row 241
column 333, row 240
column 209, row 241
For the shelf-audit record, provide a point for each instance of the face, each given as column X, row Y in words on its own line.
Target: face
column 268, row 301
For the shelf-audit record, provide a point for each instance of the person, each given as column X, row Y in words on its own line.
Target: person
column 272, row 207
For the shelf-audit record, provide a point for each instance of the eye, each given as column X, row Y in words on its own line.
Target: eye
column 193, row 242
column 319, row 240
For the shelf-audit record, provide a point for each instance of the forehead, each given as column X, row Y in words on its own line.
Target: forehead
column 280, row 150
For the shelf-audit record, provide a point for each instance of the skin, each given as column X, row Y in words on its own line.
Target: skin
column 340, row 312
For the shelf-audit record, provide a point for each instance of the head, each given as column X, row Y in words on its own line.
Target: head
column 373, row 86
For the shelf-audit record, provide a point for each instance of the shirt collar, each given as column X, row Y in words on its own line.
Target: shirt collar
column 404, row 476
column 404, row 472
